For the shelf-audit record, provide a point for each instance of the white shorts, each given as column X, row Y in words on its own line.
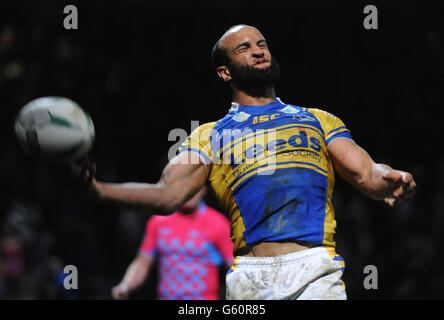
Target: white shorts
column 312, row 274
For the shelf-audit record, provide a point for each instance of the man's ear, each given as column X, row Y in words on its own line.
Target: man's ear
column 223, row 73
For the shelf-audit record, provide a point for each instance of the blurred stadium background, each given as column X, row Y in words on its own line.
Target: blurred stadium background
column 142, row 68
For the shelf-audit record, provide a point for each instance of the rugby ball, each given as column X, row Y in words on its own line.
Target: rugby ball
column 56, row 128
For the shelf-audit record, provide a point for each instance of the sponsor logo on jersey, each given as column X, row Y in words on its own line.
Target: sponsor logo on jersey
column 289, row 110
column 241, row 116
column 268, row 145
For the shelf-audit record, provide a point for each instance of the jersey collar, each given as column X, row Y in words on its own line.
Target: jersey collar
column 235, row 106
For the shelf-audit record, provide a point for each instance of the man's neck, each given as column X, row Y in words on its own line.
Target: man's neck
column 245, row 99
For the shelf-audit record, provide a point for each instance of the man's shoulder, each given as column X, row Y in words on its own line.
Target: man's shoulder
column 204, row 129
column 321, row 112
column 208, row 124
column 316, row 110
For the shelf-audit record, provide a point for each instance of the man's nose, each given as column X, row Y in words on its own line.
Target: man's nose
column 258, row 52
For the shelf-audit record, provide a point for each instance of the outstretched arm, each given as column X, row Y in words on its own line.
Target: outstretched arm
column 183, row 177
column 134, row 277
column 377, row 181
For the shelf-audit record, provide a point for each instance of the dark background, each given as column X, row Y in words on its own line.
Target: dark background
column 143, row 68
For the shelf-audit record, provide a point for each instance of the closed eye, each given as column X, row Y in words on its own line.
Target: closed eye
column 242, row 47
column 262, row 44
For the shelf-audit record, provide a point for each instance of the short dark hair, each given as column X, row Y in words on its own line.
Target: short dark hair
column 219, row 55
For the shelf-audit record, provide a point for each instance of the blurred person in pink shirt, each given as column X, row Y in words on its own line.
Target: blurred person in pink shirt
column 191, row 244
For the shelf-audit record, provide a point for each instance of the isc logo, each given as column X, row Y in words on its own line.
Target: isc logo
column 268, row 117
column 265, row 117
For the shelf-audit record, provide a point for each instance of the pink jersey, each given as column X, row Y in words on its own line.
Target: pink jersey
column 190, row 249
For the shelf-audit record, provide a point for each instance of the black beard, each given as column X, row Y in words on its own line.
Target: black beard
column 255, row 82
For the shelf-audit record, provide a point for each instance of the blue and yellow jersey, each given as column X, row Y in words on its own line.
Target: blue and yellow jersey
column 269, row 166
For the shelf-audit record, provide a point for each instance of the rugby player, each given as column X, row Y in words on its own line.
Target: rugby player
column 271, row 164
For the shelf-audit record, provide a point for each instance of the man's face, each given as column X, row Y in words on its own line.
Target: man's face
column 246, row 46
column 251, row 67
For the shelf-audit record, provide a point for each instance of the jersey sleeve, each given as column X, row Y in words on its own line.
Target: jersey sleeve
column 148, row 245
column 333, row 126
column 199, row 142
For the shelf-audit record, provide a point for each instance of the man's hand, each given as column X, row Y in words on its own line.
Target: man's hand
column 120, row 292
column 402, row 185
column 82, row 176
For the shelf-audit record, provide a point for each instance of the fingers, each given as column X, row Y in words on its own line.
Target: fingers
column 403, row 187
column 87, row 172
column 81, row 174
column 390, row 201
column 119, row 293
column 393, row 176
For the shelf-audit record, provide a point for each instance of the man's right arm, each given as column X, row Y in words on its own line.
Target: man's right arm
column 135, row 275
column 181, row 179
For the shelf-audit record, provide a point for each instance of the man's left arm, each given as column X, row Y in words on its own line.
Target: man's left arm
column 377, row 181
